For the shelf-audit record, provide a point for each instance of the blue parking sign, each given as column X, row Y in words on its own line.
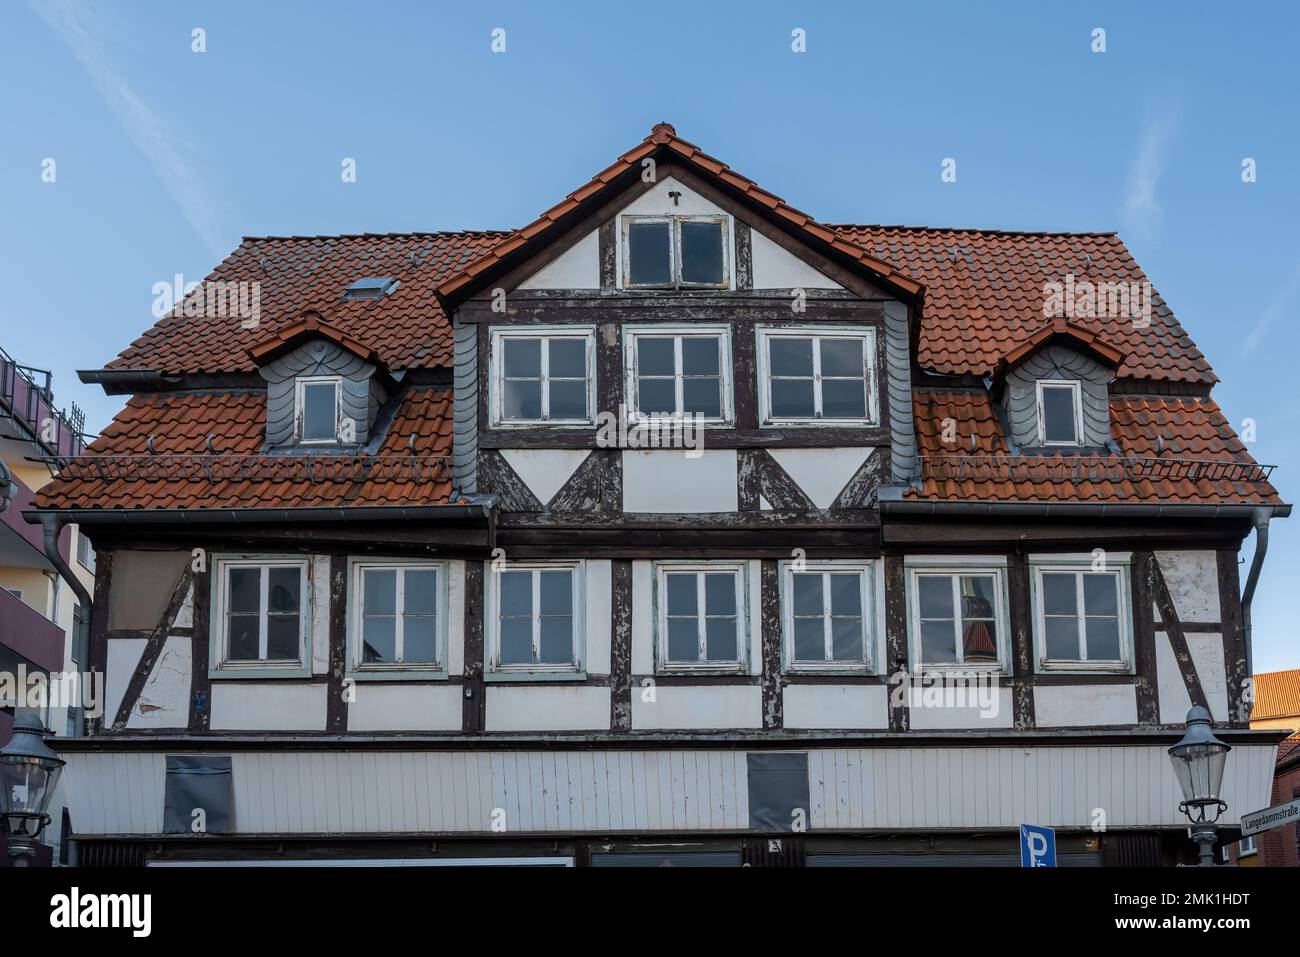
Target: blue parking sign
column 1037, row 846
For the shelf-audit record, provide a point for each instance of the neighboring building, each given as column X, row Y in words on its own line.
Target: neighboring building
column 377, row 578
column 38, row 611
column 1277, row 705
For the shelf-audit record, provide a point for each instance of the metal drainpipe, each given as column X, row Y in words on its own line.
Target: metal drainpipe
column 52, row 526
column 1260, row 518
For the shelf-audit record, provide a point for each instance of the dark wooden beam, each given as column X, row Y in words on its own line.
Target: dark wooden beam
column 770, row 637
column 338, row 695
column 620, row 664
column 1234, row 641
column 896, row 663
column 474, row 702
column 200, row 642
column 1144, row 639
column 1022, row 641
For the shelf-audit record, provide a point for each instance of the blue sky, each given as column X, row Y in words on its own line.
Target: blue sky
column 165, row 157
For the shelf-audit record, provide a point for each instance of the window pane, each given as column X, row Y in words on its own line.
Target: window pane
column 937, row 642
column 381, row 591
column 809, row 640
column 935, row 592
column 1099, row 595
column 245, row 590
column 569, row 399
column 846, row 639
column 557, row 640
column 702, row 397
column 846, row 595
column 320, row 412
column 792, row 398
column 654, row 356
column 282, row 637
column 516, row 641
column 285, row 585
column 842, row 357
column 1058, row 594
column 1058, row 414
column 379, row 640
column 522, row 358
column 557, row 593
column 647, row 246
column 683, row 639
column 522, row 399
column 568, row 358
column 243, row 638
column 1062, row 638
column 977, row 600
column 419, row 640
column 808, row 594
column 979, row 641
column 421, row 591
column 656, row 395
column 720, row 594
column 844, row 399
column 1103, row 639
column 681, row 594
column 720, row 639
column 700, row 355
column 790, row 356
column 702, row 252
column 516, row 594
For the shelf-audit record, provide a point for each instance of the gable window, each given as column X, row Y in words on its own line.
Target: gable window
column 542, row 377
column 1060, row 413
column 85, row 552
column 958, row 617
column 398, row 617
column 317, row 409
column 678, row 373
column 261, row 613
column 701, row 620
column 671, row 252
column 1081, row 616
column 536, row 618
column 818, row 376
column 826, row 615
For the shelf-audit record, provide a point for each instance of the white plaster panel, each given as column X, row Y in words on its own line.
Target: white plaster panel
column 577, row 268
column 1078, row 706
column 1193, row 580
column 864, row 707
column 545, row 471
column 599, row 616
column 669, row 482
column 821, row 473
column 542, row 707
column 405, row 706
column 1207, row 653
column 164, row 700
column 123, row 657
column 185, row 614
column 320, row 614
column 698, row 707
column 643, row 627
column 455, row 618
column 940, row 717
column 268, row 706
column 1171, row 692
column 775, row 268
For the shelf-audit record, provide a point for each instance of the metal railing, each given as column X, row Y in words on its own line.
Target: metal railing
column 27, row 397
column 1088, row 468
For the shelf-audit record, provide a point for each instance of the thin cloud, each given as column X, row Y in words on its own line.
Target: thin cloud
column 84, row 30
column 1283, row 298
column 1142, row 209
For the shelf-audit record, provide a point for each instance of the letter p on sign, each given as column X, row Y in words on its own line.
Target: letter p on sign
column 1037, row 846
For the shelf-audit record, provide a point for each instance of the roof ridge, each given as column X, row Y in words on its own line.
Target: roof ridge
column 973, row 229
column 390, row 235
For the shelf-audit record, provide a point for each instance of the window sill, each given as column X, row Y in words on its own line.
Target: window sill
column 406, row 674
column 527, row 677
column 940, row 671
column 1083, row 668
column 668, row 671
column 847, row 671
column 259, row 672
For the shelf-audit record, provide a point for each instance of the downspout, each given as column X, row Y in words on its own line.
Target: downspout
column 52, row 526
column 1260, row 518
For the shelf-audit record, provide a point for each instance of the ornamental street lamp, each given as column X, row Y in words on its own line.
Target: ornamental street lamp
column 1198, row 762
column 29, row 770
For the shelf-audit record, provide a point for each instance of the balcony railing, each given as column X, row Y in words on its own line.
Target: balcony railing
column 29, row 634
column 26, row 397
column 1088, row 468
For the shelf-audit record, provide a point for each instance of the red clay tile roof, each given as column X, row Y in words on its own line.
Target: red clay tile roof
column 403, row 471
column 1277, row 695
column 310, row 324
column 977, row 465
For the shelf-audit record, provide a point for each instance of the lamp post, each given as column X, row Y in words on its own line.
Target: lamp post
column 1198, row 762
column 29, row 770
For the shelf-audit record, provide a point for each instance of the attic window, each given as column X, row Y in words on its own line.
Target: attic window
column 371, row 287
column 674, row 252
column 1060, row 413
column 317, row 409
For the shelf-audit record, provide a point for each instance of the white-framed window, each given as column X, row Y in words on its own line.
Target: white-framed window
column 820, row 376
column 679, row 371
column 1247, row 846
column 543, row 375
column 261, row 619
column 1060, row 412
column 676, row 252
column 536, row 618
column 827, row 616
column 318, row 409
column 958, row 617
column 702, row 617
column 85, row 552
column 398, row 618
column 1081, row 614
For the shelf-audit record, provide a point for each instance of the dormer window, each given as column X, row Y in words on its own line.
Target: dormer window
column 1060, row 413
column 317, row 409
column 675, row 252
